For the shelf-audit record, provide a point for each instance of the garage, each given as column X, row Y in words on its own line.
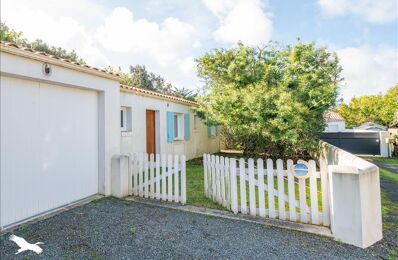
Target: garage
column 49, row 147
column 59, row 128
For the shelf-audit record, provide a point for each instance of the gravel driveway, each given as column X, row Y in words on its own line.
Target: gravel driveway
column 115, row 229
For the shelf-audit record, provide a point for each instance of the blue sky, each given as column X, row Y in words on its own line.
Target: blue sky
column 168, row 35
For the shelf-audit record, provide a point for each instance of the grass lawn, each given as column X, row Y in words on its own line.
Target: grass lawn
column 195, row 186
column 390, row 176
column 390, row 223
column 391, row 161
column 390, row 213
column 196, row 197
column 389, row 206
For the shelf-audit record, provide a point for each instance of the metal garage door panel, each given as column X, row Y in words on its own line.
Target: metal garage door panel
column 355, row 142
column 49, row 148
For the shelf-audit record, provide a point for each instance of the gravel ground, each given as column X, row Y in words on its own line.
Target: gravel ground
column 115, row 229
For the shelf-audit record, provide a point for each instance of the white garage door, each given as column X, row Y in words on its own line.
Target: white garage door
column 49, row 147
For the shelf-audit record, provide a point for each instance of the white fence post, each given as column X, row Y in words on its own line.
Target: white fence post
column 242, row 182
column 217, row 178
column 209, row 177
column 325, row 191
column 355, row 201
column 135, row 173
column 222, row 181
column 158, row 179
column 146, row 177
column 183, row 180
column 176, row 179
column 164, row 177
column 356, row 207
column 234, row 191
column 227, row 184
column 152, row 176
column 252, row 189
column 313, row 193
column 120, row 175
column 281, row 189
column 205, row 180
column 270, row 182
column 260, row 179
column 141, row 175
column 291, row 192
column 170, row 178
column 213, row 177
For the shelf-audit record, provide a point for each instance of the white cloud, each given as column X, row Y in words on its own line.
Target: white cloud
column 368, row 72
column 109, row 36
column 54, row 25
column 163, row 42
column 375, row 11
column 188, row 66
column 241, row 20
column 220, row 8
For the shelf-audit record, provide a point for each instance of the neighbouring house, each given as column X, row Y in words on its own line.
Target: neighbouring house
column 334, row 122
column 369, row 139
column 62, row 122
column 369, row 126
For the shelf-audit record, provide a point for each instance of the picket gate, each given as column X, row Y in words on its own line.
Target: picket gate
column 160, row 177
column 268, row 189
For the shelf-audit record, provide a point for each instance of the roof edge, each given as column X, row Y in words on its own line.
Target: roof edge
column 153, row 94
column 17, row 50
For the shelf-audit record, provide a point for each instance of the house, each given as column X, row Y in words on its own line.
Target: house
column 369, row 126
column 171, row 127
column 369, row 139
column 61, row 123
column 334, row 122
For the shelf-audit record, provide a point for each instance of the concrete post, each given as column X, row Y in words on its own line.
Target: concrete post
column 120, row 173
column 384, row 144
column 355, row 205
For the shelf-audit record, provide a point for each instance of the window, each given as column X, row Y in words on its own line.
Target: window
column 125, row 119
column 213, row 130
column 175, row 126
column 178, row 126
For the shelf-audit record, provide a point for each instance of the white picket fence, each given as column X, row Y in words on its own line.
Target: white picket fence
column 268, row 191
column 161, row 177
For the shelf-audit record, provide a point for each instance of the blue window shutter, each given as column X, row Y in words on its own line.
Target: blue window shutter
column 186, row 126
column 170, row 127
column 217, row 130
column 208, row 129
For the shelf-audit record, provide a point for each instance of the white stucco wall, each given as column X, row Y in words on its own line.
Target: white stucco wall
column 338, row 126
column 30, row 69
column 355, row 204
column 135, row 140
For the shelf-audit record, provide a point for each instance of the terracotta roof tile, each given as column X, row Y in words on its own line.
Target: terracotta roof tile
column 158, row 95
column 40, row 53
column 77, row 64
column 331, row 116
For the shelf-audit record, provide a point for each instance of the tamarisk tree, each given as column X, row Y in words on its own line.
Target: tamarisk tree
column 270, row 100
